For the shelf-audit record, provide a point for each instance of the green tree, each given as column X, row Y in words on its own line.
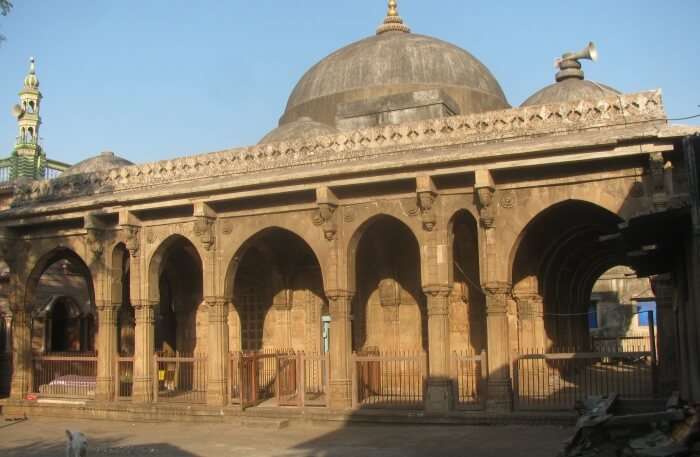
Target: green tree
column 5, row 7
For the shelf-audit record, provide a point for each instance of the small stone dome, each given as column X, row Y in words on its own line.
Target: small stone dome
column 304, row 127
column 570, row 84
column 570, row 90
column 393, row 61
column 105, row 161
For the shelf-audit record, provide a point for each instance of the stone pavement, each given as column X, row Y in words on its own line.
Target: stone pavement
column 45, row 437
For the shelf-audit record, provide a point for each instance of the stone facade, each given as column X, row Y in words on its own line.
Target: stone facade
column 451, row 234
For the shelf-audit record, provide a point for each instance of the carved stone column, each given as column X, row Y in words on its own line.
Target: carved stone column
column 499, row 385
column 22, row 345
column 531, row 319
column 217, row 355
column 144, row 346
column 106, row 350
column 340, row 304
column 438, row 396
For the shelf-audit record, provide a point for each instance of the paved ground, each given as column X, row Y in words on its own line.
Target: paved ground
column 44, row 437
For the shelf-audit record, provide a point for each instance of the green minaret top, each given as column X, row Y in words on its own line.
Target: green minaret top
column 28, row 159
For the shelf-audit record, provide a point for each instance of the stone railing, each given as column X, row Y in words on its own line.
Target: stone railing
column 360, row 144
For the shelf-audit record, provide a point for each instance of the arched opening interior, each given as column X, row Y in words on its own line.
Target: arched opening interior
column 181, row 323
column 389, row 308
column 560, row 255
column 620, row 305
column 278, row 299
column 121, row 298
column 60, row 300
column 467, row 300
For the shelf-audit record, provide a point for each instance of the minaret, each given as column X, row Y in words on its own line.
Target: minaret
column 28, row 158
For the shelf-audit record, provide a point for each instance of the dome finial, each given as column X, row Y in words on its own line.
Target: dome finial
column 392, row 21
column 32, row 68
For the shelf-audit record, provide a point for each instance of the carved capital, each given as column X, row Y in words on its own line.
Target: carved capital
column 217, row 309
column 487, row 211
column 131, row 237
column 339, row 303
column 426, row 201
column 497, row 294
column 438, row 300
column 325, row 217
column 94, row 240
column 204, row 230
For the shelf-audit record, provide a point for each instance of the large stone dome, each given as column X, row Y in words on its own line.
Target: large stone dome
column 105, row 161
column 392, row 63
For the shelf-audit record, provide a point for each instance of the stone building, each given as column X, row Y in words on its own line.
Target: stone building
column 403, row 200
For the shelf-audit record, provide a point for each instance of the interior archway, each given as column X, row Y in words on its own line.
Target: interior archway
column 181, row 323
column 467, row 300
column 60, row 298
column 556, row 253
column 277, row 295
column 389, row 308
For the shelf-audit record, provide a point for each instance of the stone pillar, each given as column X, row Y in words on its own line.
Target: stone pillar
column 531, row 319
column 217, row 354
column 340, row 304
column 22, row 348
column 438, row 395
column 144, row 346
column 499, row 385
column 106, row 351
column 666, row 333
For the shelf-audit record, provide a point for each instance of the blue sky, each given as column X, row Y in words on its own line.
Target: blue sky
column 166, row 78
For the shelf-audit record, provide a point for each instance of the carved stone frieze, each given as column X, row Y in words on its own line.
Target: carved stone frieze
column 355, row 145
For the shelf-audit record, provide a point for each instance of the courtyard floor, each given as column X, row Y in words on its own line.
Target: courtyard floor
column 45, row 437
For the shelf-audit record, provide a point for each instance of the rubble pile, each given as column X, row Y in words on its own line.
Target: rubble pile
column 610, row 427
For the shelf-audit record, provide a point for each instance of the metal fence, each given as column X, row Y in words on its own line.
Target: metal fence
column 555, row 381
column 124, row 377
column 278, row 378
column 5, row 374
column 65, row 375
column 388, row 380
column 641, row 342
column 180, row 378
column 469, row 372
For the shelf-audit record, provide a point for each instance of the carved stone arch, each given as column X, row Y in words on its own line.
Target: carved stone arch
column 533, row 217
column 43, row 261
column 466, row 214
column 155, row 263
column 358, row 230
column 235, row 252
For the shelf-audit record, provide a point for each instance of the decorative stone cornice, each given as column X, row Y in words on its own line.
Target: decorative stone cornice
column 493, row 126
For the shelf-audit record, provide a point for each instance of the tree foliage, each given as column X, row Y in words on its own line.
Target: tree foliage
column 5, row 7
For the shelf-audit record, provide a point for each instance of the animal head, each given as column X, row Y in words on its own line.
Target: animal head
column 77, row 444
